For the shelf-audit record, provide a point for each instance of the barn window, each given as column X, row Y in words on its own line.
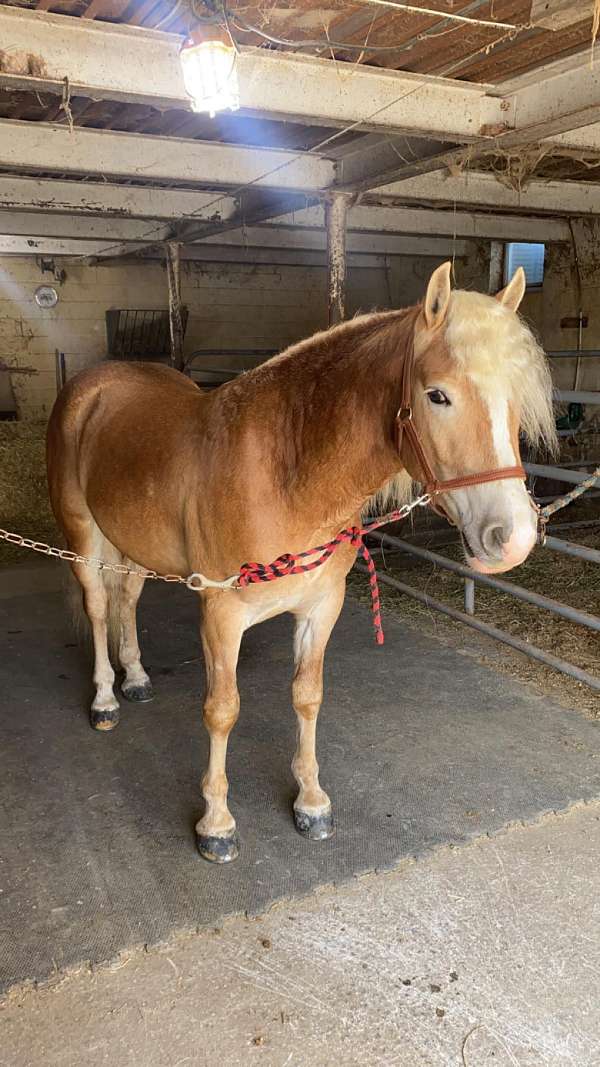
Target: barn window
column 528, row 256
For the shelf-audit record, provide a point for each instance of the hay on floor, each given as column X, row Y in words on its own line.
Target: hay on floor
column 24, row 504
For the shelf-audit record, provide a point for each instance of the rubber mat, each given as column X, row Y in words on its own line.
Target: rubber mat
column 418, row 745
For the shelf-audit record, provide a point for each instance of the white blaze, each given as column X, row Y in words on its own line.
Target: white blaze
column 497, row 406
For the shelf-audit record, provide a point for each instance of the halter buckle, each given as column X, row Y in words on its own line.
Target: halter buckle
column 405, row 414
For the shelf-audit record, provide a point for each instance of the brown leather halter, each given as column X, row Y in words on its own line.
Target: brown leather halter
column 405, row 425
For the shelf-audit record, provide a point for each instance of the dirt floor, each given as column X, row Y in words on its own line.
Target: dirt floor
column 24, row 507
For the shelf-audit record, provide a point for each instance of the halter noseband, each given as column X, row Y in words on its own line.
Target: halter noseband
column 405, row 425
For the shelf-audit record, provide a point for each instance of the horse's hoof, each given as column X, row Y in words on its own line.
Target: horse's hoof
column 104, row 719
column 314, row 827
column 139, row 694
column 218, row 849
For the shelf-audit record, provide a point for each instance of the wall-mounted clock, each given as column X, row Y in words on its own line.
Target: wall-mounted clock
column 46, row 296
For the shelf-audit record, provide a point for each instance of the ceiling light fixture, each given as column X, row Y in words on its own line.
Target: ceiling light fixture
column 208, row 63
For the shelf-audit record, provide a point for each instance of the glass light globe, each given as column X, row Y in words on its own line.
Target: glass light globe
column 210, row 75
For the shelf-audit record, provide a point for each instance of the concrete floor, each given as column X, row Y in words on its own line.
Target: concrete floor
column 487, row 954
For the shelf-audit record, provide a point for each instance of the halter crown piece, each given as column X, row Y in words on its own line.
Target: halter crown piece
column 405, row 426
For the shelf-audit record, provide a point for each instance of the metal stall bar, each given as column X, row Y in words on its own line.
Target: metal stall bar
column 469, row 596
column 559, row 474
column 582, row 618
column 573, row 524
column 577, row 396
column 569, row 548
column 574, row 353
column 491, row 631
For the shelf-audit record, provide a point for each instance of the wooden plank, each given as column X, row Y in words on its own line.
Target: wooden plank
column 557, row 14
column 142, row 12
column 94, row 8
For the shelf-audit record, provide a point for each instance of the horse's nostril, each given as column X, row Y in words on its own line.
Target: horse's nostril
column 493, row 537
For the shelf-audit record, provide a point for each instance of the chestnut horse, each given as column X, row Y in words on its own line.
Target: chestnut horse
column 144, row 467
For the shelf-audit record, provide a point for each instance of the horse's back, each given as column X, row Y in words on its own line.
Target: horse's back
column 116, row 383
column 121, row 398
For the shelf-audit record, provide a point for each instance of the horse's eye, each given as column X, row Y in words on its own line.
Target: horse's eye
column 437, row 397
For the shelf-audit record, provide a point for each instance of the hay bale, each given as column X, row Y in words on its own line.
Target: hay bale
column 24, row 503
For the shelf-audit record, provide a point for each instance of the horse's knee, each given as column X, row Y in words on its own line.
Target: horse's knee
column 221, row 713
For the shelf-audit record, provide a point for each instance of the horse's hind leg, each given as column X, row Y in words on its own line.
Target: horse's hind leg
column 136, row 685
column 104, row 714
column 312, row 808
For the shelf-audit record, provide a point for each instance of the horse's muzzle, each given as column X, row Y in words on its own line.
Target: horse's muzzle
column 494, row 555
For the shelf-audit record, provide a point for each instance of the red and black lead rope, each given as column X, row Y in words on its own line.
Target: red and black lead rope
column 290, row 563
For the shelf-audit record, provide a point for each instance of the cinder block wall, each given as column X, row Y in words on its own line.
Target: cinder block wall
column 231, row 306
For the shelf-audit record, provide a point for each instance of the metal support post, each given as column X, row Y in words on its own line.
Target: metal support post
column 175, row 319
column 336, row 210
column 496, row 274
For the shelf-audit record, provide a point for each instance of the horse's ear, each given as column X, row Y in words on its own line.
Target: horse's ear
column 511, row 296
column 437, row 296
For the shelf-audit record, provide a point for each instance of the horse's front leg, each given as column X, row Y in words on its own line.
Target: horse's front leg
column 221, row 629
column 312, row 807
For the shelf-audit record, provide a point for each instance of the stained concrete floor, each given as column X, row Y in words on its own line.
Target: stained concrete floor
column 487, row 955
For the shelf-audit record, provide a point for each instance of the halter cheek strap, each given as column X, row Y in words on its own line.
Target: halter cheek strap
column 405, row 426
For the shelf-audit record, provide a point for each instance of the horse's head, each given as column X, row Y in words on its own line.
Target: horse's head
column 479, row 379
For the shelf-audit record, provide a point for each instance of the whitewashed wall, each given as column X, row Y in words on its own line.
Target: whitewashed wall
column 560, row 299
column 230, row 306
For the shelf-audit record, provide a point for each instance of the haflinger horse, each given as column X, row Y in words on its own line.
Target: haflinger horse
column 146, row 468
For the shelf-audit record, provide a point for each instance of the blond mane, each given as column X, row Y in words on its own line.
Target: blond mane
column 492, row 343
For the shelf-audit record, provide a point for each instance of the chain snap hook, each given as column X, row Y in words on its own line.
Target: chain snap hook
column 197, row 582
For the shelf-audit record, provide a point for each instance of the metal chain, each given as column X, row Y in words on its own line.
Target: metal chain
column 74, row 557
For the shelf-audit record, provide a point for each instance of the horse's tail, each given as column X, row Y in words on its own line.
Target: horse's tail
column 103, row 549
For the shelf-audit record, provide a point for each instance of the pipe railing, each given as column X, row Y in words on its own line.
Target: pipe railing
column 473, row 578
column 558, row 474
column 577, row 396
column 574, row 353
column 490, row 631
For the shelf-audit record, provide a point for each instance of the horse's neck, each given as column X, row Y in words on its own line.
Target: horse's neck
column 341, row 415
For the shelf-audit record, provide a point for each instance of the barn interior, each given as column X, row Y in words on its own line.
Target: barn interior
column 340, row 153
